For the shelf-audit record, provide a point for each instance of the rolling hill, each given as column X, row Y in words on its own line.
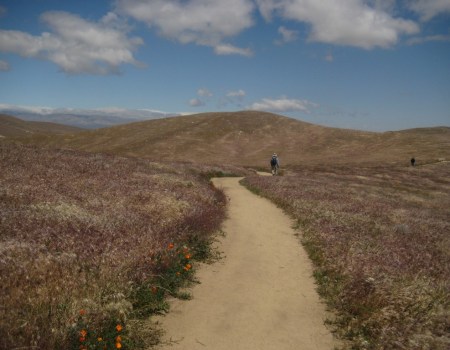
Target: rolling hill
column 250, row 137
column 15, row 127
column 82, row 118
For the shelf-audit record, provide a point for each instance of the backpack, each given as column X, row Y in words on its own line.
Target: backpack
column 273, row 161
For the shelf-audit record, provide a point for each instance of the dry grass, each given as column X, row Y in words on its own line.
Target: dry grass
column 379, row 239
column 89, row 233
column 248, row 138
column 15, row 127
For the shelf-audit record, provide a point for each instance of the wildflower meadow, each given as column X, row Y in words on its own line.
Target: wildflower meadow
column 90, row 244
column 379, row 238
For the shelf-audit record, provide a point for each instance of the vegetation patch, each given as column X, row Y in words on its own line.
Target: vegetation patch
column 379, row 241
column 91, row 244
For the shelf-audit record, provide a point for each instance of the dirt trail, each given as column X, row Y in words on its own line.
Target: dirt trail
column 260, row 296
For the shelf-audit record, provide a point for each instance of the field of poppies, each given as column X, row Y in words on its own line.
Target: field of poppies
column 90, row 244
column 379, row 238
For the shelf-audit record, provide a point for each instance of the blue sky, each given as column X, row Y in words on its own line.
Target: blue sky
column 361, row 64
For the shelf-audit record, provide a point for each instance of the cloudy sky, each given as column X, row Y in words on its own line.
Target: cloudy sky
column 361, row 64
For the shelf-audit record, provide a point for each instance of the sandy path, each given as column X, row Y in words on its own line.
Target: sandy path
column 260, row 295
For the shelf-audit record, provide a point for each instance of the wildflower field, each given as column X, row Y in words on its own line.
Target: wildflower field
column 90, row 244
column 379, row 238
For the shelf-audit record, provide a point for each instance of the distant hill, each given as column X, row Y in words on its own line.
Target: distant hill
column 15, row 127
column 82, row 118
column 250, row 138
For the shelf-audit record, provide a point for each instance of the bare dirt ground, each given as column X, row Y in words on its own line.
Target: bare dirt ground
column 260, row 295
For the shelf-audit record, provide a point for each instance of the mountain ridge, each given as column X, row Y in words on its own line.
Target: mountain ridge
column 15, row 127
column 250, row 137
column 82, row 118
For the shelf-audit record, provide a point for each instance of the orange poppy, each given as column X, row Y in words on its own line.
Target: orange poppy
column 119, row 328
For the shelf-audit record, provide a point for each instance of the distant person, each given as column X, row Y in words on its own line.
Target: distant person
column 274, row 164
column 413, row 161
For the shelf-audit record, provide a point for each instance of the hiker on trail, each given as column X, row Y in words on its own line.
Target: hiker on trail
column 274, row 164
column 413, row 161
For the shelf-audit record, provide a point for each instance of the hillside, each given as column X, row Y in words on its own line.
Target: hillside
column 15, row 127
column 83, row 231
column 82, row 118
column 250, row 137
column 379, row 240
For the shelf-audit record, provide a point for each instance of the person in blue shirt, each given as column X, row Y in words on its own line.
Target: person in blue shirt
column 274, row 164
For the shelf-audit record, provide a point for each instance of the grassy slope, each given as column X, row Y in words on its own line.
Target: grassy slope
column 89, row 232
column 15, row 127
column 249, row 138
column 379, row 239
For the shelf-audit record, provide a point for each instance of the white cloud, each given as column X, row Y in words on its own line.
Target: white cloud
column 345, row 22
column 76, row 45
column 196, row 102
column 236, row 94
column 203, row 22
column 204, row 93
column 282, row 104
column 235, row 97
column 383, row 5
column 227, row 49
column 286, row 35
column 267, row 7
column 428, row 9
column 4, row 66
column 420, row 40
